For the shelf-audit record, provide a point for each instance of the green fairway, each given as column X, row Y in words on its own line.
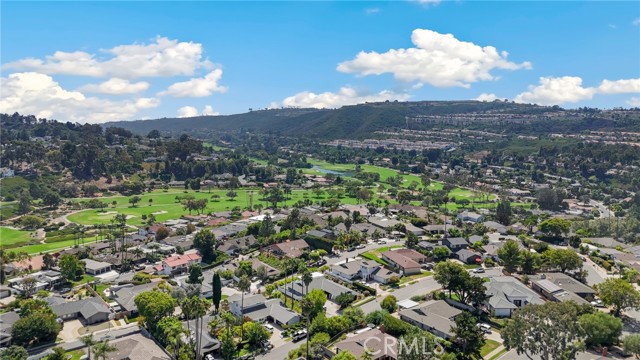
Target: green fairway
column 165, row 207
column 10, row 236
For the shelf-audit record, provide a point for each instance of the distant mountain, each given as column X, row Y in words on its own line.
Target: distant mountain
column 359, row 121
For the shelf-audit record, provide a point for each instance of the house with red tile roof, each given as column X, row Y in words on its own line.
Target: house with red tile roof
column 178, row 264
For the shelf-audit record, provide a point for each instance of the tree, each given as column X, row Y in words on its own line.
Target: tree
column 195, row 274
column 52, row 200
column 48, row 261
column 31, row 222
column 194, row 308
column 228, row 347
column 450, row 275
column 509, row 255
column 232, row 195
column 619, row 294
column 412, row 240
column 306, row 305
column 307, row 278
column 205, row 242
column 468, row 337
column 35, row 328
column 171, row 334
column 266, row 227
column 503, row 212
column 14, row 352
column 153, row 306
column 549, row 330
column 244, row 285
column 345, row 299
column 574, row 241
column 440, row 252
column 216, row 286
column 389, row 303
column 601, row 329
column 256, row 334
column 28, row 285
column 88, row 341
column 530, row 262
column 70, row 267
column 102, row 349
column 344, row 355
column 262, row 273
column 318, row 298
column 292, row 222
column 632, row 344
column 555, row 226
column 564, row 259
column 134, row 200
column 57, row 353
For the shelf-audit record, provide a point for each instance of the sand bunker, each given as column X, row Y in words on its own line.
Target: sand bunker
column 108, row 213
column 159, row 212
column 131, row 217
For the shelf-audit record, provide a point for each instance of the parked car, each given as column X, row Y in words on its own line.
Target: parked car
column 298, row 336
column 478, row 270
column 267, row 345
column 485, row 327
column 597, row 303
column 268, row 327
column 361, row 246
column 208, row 357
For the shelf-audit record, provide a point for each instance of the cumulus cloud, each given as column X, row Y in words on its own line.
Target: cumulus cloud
column 636, row 22
column 634, row 102
column 371, row 11
column 428, row 2
column 116, row 86
column 569, row 89
column 39, row 94
column 187, row 111
column 208, row 110
column 345, row 96
column 197, row 87
column 486, row 97
column 619, row 86
column 162, row 57
column 438, row 59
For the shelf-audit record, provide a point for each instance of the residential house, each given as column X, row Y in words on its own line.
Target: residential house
column 383, row 275
column 380, row 345
column 291, row 249
column 208, row 343
column 7, row 320
column 469, row 216
column 506, row 294
column 45, row 280
column 435, row 316
column 178, row 264
column 297, row 289
column 90, row 310
column 468, row 257
column 414, row 229
column 455, row 244
column 439, row 229
column 259, row 309
column 495, row 226
column 125, row 296
column 553, row 292
column 565, row 283
column 93, row 267
column 237, row 245
column 351, row 270
column 406, row 262
column 136, row 346
column 383, row 223
column 272, row 272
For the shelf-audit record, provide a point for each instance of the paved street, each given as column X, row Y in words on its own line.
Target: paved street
column 281, row 352
column 422, row 287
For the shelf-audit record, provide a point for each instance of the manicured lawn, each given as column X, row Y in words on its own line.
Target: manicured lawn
column 165, row 207
column 406, row 279
column 75, row 354
column 38, row 248
column 488, row 347
column 85, row 279
column 372, row 256
column 10, row 236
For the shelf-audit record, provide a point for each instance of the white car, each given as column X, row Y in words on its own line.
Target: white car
column 269, row 327
column 208, row 357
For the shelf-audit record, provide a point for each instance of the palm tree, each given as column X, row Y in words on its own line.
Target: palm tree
column 306, row 304
column 88, row 341
column 306, row 279
column 101, row 349
column 195, row 308
column 243, row 285
column 174, row 339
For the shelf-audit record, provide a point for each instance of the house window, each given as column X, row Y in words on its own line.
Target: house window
column 517, row 303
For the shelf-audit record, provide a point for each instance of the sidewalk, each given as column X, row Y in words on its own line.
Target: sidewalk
column 494, row 352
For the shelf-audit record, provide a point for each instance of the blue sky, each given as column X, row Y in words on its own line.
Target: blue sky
column 103, row 61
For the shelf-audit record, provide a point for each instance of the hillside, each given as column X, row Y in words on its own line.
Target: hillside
column 349, row 121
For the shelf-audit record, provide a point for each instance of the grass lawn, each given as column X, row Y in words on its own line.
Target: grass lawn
column 488, row 347
column 406, row 279
column 85, row 279
column 75, row 354
column 39, row 248
column 10, row 236
column 372, row 256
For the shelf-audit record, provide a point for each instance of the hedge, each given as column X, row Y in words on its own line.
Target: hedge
column 362, row 288
column 319, row 243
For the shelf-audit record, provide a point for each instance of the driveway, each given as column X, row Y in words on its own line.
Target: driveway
column 422, row 287
column 276, row 337
column 70, row 330
column 488, row 273
column 332, row 308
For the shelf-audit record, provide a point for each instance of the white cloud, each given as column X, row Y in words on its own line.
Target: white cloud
column 619, row 86
column 187, row 111
column 428, row 2
column 197, row 87
column 116, row 86
column 164, row 57
column 39, row 94
column 345, row 96
column 208, row 110
column 486, row 97
column 634, row 102
column 438, row 59
column 569, row 89
column 636, row 22
column 552, row 91
column 371, row 11
column 613, row 26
